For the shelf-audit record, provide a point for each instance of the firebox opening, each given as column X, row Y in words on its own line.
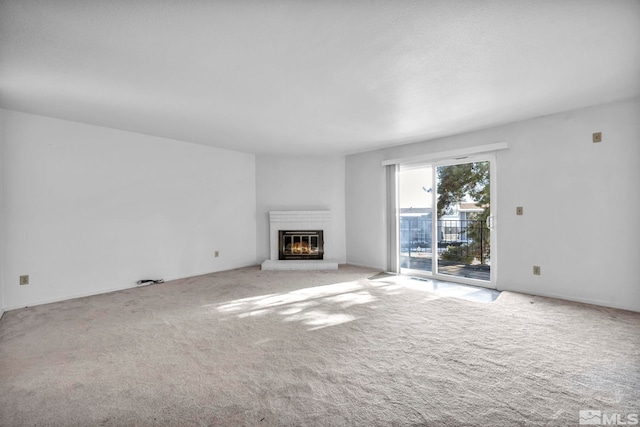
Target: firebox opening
column 300, row 244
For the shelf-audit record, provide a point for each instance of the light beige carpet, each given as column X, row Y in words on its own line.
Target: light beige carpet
column 248, row 347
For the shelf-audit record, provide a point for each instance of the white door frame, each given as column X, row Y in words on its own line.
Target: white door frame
column 492, row 283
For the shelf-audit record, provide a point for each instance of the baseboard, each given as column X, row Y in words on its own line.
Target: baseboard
column 522, row 291
column 106, row 291
column 70, row 297
column 1, row 313
column 574, row 299
column 365, row 266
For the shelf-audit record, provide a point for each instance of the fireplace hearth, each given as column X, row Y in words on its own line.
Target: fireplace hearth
column 300, row 244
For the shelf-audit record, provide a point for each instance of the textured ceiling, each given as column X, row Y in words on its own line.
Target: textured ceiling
column 314, row 77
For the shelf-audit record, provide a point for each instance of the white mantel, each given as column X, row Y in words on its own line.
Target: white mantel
column 300, row 220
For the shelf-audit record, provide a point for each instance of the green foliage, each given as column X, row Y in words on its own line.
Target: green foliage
column 467, row 181
column 462, row 254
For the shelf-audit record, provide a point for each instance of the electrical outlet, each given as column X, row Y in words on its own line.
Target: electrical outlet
column 24, row 280
column 217, row 254
column 519, row 210
column 536, row 270
column 597, row 137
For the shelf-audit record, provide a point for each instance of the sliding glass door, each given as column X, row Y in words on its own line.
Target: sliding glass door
column 445, row 221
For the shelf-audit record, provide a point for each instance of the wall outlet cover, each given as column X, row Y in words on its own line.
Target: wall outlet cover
column 597, row 137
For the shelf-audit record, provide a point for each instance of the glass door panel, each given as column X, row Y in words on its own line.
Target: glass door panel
column 463, row 217
column 416, row 218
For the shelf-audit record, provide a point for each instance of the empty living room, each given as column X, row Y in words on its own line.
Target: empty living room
column 319, row 213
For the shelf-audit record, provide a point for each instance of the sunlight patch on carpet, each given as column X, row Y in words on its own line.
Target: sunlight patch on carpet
column 317, row 307
column 319, row 319
column 440, row 288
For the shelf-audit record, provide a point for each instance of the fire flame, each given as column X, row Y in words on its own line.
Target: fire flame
column 301, row 248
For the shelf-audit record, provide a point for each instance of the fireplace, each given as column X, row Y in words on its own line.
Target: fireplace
column 307, row 248
column 300, row 244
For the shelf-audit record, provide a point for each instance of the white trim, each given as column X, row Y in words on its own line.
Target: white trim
column 450, row 154
column 563, row 297
column 380, row 269
column 118, row 289
column 72, row 296
column 493, row 232
column 492, row 283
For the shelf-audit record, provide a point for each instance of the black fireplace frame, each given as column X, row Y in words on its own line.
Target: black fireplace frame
column 308, row 236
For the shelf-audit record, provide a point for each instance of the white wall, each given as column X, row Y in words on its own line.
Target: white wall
column 90, row 209
column 300, row 183
column 581, row 202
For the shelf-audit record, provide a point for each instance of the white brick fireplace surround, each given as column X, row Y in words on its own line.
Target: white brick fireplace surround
column 300, row 220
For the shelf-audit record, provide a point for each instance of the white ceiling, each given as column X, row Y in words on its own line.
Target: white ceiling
column 314, row 77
